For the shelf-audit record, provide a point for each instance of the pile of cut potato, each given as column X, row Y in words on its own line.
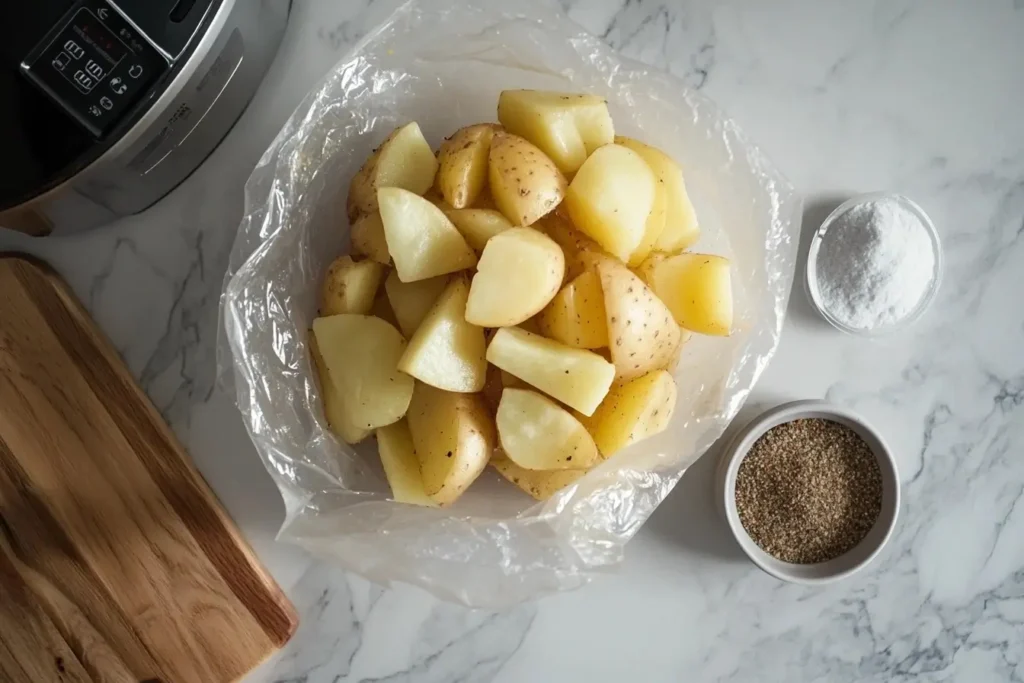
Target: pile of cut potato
column 519, row 298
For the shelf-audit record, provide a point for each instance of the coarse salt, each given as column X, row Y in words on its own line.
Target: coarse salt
column 875, row 264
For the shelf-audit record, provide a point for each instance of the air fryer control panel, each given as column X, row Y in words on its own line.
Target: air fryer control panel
column 94, row 64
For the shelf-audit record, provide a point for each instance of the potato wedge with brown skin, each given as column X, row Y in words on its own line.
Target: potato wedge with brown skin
column 541, row 484
column 454, row 437
column 403, row 160
column 632, row 411
column 462, row 164
column 478, row 225
column 411, row 301
column 697, row 288
column 642, row 334
column 576, row 315
column 519, row 272
column 448, row 352
column 338, row 419
column 579, row 379
column 368, row 238
column 538, row 434
column 422, row 242
column 350, row 286
column 525, row 184
column 401, row 466
column 573, row 242
column 361, row 355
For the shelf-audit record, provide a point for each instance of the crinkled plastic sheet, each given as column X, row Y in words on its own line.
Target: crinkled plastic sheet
column 443, row 66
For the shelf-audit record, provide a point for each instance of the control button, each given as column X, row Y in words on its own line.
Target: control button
column 103, row 13
column 95, row 111
column 94, row 69
column 61, row 61
column 106, row 103
column 135, row 71
column 74, row 49
column 84, row 81
column 117, row 85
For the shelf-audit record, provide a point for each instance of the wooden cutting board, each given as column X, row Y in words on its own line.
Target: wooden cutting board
column 117, row 563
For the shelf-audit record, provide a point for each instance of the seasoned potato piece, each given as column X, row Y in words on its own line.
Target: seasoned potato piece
column 519, row 272
column 401, row 466
column 567, row 127
column 368, row 238
column 421, row 239
column 478, row 225
column 577, row 378
column 541, row 484
column 632, row 411
column 447, row 352
column 454, row 436
column 642, row 335
column 610, row 199
column 681, row 230
column 576, row 315
column 462, row 164
column 412, row 300
column 538, row 434
column 338, row 420
column 403, row 160
column 697, row 288
column 525, row 184
column 350, row 286
column 361, row 355
column 574, row 243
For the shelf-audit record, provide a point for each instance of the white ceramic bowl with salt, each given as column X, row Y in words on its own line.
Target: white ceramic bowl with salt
column 814, row 274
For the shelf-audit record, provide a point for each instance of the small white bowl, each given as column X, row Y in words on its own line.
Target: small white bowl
column 811, row 276
column 849, row 562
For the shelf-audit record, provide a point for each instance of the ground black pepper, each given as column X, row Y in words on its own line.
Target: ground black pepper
column 808, row 491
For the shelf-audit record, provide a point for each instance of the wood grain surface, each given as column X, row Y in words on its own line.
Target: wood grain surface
column 117, row 563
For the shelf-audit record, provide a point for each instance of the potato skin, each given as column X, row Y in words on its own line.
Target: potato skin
column 462, row 164
column 525, row 184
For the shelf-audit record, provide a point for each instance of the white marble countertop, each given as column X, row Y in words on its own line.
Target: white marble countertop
column 922, row 97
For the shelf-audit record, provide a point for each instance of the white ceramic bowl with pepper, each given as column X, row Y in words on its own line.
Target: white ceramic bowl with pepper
column 810, row 491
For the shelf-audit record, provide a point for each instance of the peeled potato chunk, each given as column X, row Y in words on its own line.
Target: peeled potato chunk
column 453, row 435
column 697, row 288
column 576, row 315
column 401, row 466
column 565, row 126
column 633, row 411
column 448, row 352
column 681, row 230
column 538, row 434
column 610, row 199
column 412, row 300
column 403, row 160
column 338, row 419
column 541, row 484
column 519, row 272
column 525, row 184
column 462, row 164
column 580, row 379
column 478, row 225
column 421, row 240
column 350, row 286
column 642, row 334
column 368, row 238
column 361, row 355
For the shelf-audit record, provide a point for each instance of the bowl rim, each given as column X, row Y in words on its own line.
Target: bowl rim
column 810, row 278
column 738, row 448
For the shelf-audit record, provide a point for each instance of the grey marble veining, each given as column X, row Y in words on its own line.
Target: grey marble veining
column 924, row 97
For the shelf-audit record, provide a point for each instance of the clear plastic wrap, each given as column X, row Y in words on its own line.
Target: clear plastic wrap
column 443, row 65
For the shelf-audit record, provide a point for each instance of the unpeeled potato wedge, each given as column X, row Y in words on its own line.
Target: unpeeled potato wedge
column 421, row 240
column 519, row 272
column 538, row 434
column 350, row 286
column 579, row 379
column 448, row 352
column 478, row 225
column 574, row 243
column 697, row 288
column 339, row 421
column 462, row 164
column 541, row 484
column 401, row 466
column 368, row 238
column 632, row 411
column 525, row 184
column 453, row 435
column 403, row 160
column 576, row 315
